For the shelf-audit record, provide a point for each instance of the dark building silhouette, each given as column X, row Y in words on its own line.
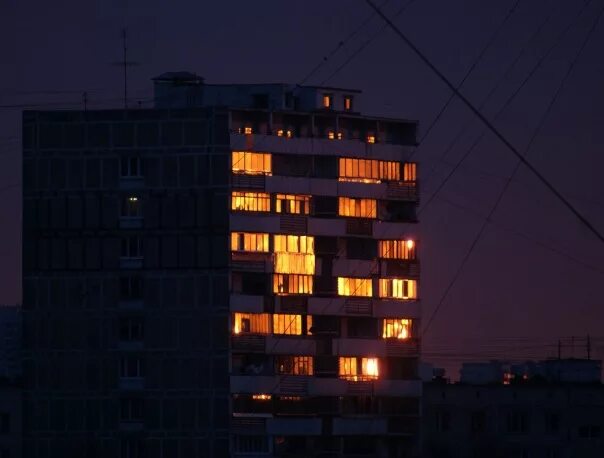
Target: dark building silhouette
column 232, row 272
column 550, row 409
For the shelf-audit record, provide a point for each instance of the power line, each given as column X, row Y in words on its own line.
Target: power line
column 493, row 90
column 490, row 126
column 506, row 186
column 484, row 50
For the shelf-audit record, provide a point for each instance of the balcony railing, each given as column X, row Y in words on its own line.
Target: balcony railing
column 403, row 190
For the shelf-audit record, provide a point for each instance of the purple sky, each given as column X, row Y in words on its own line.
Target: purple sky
column 514, row 296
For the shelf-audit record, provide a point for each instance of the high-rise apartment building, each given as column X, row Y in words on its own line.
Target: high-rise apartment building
column 234, row 272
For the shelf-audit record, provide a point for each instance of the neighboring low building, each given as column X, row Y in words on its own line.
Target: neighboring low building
column 10, row 382
column 528, row 412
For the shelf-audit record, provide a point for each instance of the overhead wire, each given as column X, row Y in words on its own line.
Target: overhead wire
column 501, row 194
column 578, row 215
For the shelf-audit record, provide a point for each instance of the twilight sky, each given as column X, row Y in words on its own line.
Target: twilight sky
column 534, row 276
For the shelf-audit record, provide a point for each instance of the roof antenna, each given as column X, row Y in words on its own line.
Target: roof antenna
column 125, row 63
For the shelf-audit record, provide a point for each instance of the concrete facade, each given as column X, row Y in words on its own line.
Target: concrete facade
column 154, row 327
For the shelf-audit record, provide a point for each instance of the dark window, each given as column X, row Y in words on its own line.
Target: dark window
column 250, row 444
column 291, row 164
column 362, row 327
column 552, row 423
column 260, row 100
column 361, row 248
column 131, row 409
column 132, row 247
column 589, row 432
column 326, row 206
column 132, row 329
column 443, row 421
column 4, row 423
column 130, row 166
column 325, row 167
column 131, row 366
column 131, row 288
column 326, row 245
column 359, row 445
column 517, row 422
column 478, row 422
column 397, row 211
column 249, row 283
column 358, row 405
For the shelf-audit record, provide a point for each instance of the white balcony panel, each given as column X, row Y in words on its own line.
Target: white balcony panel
column 405, row 388
column 320, row 146
column 246, row 303
column 132, row 182
column 254, row 222
column 135, row 345
column 359, row 426
column 327, row 226
column 359, row 347
column 132, row 304
column 288, row 345
column 326, row 306
column 396, row 309
column 327, row 386
column 388, row 230
column 132, row 383
column 302, row 185
column 324, row 187
column 131, row 263
column 131, row 222
column 343, row 267
column 366, row 190
column 253, row 384
column 293, row 426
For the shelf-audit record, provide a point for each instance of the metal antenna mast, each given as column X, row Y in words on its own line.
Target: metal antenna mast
column 125, row 63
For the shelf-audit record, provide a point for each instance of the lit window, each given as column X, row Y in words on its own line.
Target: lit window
column 294, row 244
column 247, row 130
column 294, row 263
column 291, row 324
column 250, row 201
column 410, row 171
column 250, row 163
column 359, row 369
column 370, row 138
column 289, row 133
column 396, row 288
column 280, row 133
column 327, row 101
column 331, row 135
column 132, row 247
column 292, row 284
column 262, row 397
column 130, row 166
column 348, row 286
column 251, row 323
column 367, row 170
column 395, row 328
column 348, row 102
column 397, row 249
column 359, row 208
column 131, row 207
column 292, row 204
column 249, row 241
column 295, row 365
